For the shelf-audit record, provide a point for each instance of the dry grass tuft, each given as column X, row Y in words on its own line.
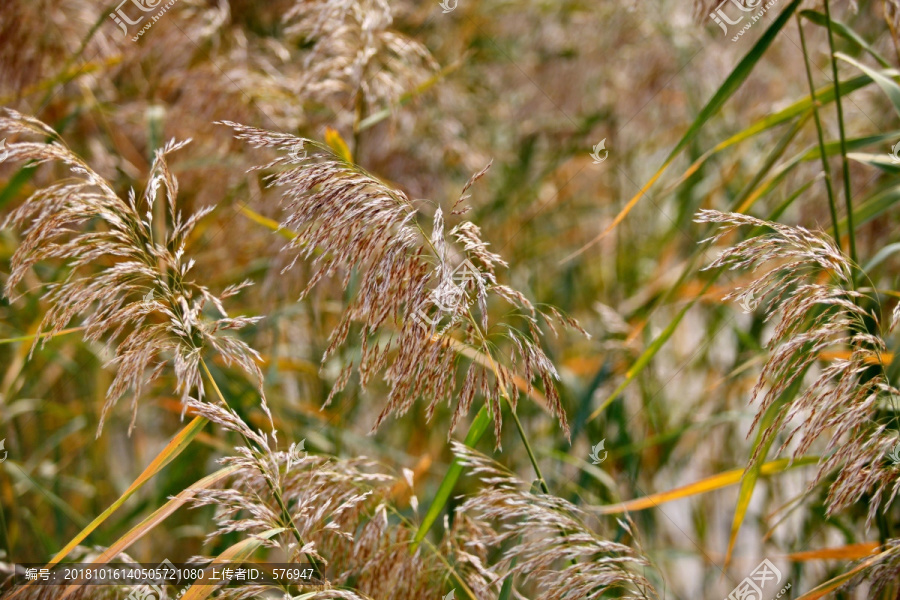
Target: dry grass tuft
column 547, row 539
column 809, row 283
column 130, row 283
column 412, row 305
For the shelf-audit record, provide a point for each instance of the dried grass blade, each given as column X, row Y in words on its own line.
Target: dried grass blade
column 158, row 516
column 846, row 552
column 236, row 553
column 167, row 455
column 709, row 484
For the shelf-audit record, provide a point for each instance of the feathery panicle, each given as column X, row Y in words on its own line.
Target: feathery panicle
column 557, row 552
column 141, row 300
column 420, row 297
column 341, row 509
column 353, row 48
column 884, row 575
column 349, row 61
column 816, row 314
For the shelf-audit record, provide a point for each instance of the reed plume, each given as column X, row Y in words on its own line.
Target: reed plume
column 131, row 283
column 552, row 545
column 421, row 299
column 809, row 285
column 350, row 60
column 341, row 508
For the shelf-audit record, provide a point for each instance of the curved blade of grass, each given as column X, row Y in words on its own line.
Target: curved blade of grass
column 158, row 516
column 829, row 586
column 845, row 32
column 476, row 431
column 824, row 95
column 831, row 149
column 743, row 199
column 848, row 552
column 709, row 484
column 167, row 455
column 882, row 79
column 731, row 84
column 873, row 207
column 648, row 354
column 236, row 553
column 881, row 256
column 761, row 447
column 48, row 334
column 884, row 161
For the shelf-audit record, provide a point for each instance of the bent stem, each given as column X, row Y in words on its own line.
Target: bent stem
column 285, row 513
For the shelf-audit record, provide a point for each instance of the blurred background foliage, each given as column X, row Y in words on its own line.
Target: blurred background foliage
column 534, row 85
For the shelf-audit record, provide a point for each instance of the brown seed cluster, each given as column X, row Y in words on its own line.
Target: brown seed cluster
column 342, row 510
column 127, row 275
column 547, row 540
column 809, row 283
column 420, row 296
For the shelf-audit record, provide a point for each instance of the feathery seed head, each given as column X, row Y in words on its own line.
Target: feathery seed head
column 844, row 399
column 141, row 298
column 421, row 300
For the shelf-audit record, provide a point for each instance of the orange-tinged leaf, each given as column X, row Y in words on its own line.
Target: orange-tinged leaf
column 848, row 552
column 829, row 586
column 167, row 455
column 709, row 484
column 158, row 516
column 237, row 553
column 337, row 143
column 48, row 334
column 886, row 357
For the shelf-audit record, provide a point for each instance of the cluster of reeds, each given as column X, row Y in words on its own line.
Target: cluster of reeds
column 394, row 314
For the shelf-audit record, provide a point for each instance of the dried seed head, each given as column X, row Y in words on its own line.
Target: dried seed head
column 341, row 509
column 133, row 289
column 845, row 397
column 422, row 299
column 554, row 548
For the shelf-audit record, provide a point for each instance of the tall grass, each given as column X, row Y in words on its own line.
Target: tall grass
column 424, row 250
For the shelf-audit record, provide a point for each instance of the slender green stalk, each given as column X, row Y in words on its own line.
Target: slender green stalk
column 25, row 338
column 815, row 106
column 476, row 431
column 537, row 469
column 840, row 115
